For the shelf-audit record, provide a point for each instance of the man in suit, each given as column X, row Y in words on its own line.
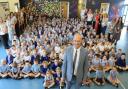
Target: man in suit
column 75, row 64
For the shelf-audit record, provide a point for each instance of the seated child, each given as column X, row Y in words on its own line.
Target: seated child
column 34, row 56
column 99, row 79
column 111, row 61
column 112, row 78
column 9, row 58
column 35, row 69
column 121, row 62
column 14, row 72
column 26, row 71
column 48, row 80
column 44, row 57
column 95, row 62
column 119, row 53
column 104, row 63
column 58, row 76
column 4, row 69
column 55, row 65
column 27, row 57
column 44, row 68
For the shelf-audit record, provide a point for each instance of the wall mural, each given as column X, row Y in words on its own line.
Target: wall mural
column 49, row 8
column 115, row 9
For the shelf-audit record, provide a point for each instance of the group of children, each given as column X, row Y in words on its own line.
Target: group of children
column 39, row 52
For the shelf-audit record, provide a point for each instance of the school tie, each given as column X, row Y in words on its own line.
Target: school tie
column 74, row 62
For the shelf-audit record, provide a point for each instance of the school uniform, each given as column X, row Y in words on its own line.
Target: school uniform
column 44, row 59
column 111, row 62
column 26, row 69
column 27, row 58
column 4, row 69
column 35, row 68
column 120, row 62
column 99, row 76
column 96, row 62
column 15, row 70
column 57, row 76
column 43, row 69
column 47, row 80
column 33, row 57
column 112, row 75
column 9, row 59
column 53, row 66
column 103, row 62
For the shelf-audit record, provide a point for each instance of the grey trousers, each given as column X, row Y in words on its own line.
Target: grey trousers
column 74, row 83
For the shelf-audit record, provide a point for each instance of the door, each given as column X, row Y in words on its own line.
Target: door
column 125, row 15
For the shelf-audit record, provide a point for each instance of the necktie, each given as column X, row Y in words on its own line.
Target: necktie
column 74, row 62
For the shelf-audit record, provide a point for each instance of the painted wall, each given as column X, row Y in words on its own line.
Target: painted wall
column 114, row 9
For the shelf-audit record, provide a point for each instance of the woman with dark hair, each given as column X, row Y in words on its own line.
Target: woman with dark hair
column 119, row 23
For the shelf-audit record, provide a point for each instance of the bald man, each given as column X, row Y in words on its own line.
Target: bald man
column 75, row 65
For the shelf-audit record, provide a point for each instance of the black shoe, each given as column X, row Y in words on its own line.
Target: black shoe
column 117, row 85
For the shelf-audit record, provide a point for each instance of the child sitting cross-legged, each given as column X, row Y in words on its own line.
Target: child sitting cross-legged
column 44, row 68
column 4, row 69
column 112, row 78
column 26, row 71
column 35, row 69
column 15, row 71
column 121, row 63
column 48, row 80
column 57, row 75
column 99, row 78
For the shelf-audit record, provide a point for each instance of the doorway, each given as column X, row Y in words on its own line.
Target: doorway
column 125, row 13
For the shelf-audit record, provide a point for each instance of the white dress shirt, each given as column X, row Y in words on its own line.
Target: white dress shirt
column 77, row 59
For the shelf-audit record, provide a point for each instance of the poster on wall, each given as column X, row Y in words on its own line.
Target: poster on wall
column 4, row 9
column 4, row 5
column 104, row 9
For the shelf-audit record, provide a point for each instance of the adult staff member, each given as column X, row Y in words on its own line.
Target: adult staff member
column 75, row 65
column 4, row 33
